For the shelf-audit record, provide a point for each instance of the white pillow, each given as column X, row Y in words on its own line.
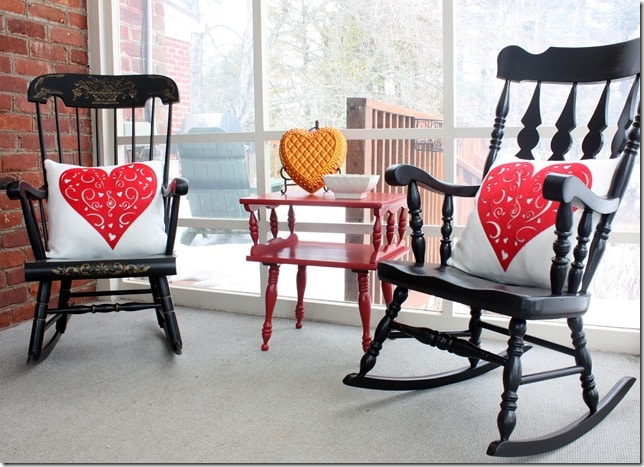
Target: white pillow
column 509, row 234
column 105, row 212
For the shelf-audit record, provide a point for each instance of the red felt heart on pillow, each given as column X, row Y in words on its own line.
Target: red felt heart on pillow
column 109, row 202
column 511, row 206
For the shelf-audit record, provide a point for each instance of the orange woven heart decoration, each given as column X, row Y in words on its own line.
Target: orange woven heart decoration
column 308, row 155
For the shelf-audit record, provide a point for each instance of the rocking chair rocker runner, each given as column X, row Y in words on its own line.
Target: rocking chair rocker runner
column 528, row 250
column 93, row 221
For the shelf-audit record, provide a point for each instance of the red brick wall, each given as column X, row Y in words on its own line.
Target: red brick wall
column 36, row 37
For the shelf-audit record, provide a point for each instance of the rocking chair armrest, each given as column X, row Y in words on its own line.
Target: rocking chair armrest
column 177, row 186
column 31, row 201
column 570, row 191
column 567, row 188
column 19, row 189
column 404, row 174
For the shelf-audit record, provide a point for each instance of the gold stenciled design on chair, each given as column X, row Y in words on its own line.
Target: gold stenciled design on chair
column 43, row 93
column 168, row 94
column 101, row 269
column 104, row 91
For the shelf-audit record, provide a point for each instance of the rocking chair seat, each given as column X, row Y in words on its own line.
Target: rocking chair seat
column 511, row 300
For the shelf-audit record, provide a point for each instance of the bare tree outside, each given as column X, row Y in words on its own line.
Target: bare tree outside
column 321, row 52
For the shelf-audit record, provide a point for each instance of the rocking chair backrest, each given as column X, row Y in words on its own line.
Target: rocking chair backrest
column 68, row 104
column 76, row 112
column 574, row 68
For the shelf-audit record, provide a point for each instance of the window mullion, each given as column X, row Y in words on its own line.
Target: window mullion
column 449, row 99
column 104, row 37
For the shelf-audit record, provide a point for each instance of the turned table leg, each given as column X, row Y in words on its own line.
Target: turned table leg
column 270, row 300
column 300, row 281
column 364, row 305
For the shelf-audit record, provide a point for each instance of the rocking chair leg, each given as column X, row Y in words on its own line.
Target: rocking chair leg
column 63, row 302
column 582, row 358
column 157, row 299
column 382, row 331
column 483, row 361
column 171, row 326
column 475, row 332
column 40, row 321
column 512, row 372
column 599, row 409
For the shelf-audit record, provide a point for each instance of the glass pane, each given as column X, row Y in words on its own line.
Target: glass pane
column 220, row 266
column 534, row 25
column 628, row 217
column 205, row 46
column 219, row 174
column 616, row 289
column 470, row 158
column 322, row 52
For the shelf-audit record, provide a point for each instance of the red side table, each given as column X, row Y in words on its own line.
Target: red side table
column 359, row 258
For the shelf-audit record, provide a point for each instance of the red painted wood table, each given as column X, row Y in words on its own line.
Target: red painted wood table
column 389, row 208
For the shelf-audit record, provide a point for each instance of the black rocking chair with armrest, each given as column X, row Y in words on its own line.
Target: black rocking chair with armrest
column 92, row 221
column 468, row 275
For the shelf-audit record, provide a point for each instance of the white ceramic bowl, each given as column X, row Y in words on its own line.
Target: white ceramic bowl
column 350, row 186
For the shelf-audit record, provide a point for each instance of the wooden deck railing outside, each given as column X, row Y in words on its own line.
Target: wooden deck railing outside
column 374, row 156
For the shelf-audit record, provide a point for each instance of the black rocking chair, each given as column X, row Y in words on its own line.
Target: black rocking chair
column 572, row 199
column 90, row 220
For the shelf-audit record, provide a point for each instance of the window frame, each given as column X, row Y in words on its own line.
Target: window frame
column 103, row 38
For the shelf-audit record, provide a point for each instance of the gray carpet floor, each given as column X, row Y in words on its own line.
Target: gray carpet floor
column 111, row 392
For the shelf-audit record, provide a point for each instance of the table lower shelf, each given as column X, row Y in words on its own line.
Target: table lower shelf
column 336, row 255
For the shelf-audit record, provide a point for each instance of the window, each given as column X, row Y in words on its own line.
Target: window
column 249, row 70
column 322, row 52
